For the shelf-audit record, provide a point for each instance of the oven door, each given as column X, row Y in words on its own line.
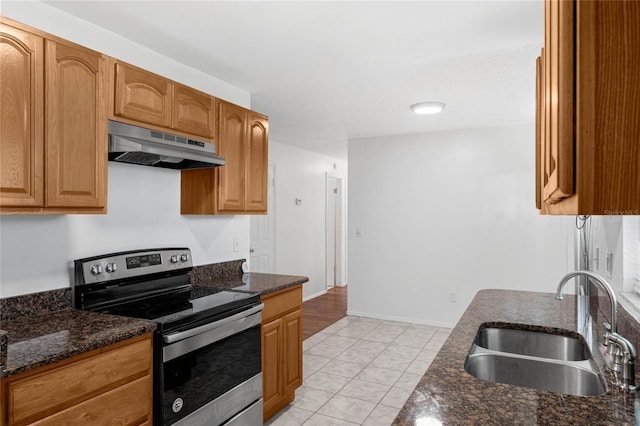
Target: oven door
column 211, row 373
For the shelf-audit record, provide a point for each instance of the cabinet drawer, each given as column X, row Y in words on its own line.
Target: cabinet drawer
column 52, row 390
column 127, row 405
column 282, row 302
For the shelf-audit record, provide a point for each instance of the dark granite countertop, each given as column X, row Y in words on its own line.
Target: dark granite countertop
column 448, row 395
column 252, row 282
column 42, row 328
column 37, row 340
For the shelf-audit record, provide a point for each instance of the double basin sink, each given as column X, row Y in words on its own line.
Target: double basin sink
column 529, row 356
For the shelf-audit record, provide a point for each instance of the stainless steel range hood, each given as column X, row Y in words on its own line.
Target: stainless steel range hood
column 138, row 145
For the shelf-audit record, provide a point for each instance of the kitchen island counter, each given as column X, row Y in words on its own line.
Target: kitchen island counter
column 37, row 340
column 448, row 395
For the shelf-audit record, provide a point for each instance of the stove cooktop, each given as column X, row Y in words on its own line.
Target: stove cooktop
column 171, row 311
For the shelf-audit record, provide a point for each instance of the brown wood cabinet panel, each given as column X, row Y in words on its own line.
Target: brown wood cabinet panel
column 608, row 106
column 76, row 126
column 21, row 118
column 292, row 326
column 193, row 111
column 53, row 390
column 588, row 130
column 257, row 163
column 120, row 406
column 142, row 96
column 557, row 149
column 272, row 377
column 232, row 147
column 277, row 304
column 198, row 191
column 539, row 127
column 240, row 186
column 281, row 348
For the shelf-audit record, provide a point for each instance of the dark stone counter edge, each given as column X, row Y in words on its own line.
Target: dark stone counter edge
column 141, row 327
column 260, row 283
column 292, row 283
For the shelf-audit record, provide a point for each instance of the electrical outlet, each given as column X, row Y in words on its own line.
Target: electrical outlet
column 452, row 298
column 609, row 264
column 236, row 244
column 596, row 259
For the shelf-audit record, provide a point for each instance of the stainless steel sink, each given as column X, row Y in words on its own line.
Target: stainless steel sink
column 533, row 343
column 534, row 359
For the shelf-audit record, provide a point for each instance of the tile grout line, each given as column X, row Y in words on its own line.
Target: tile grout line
column 380, row 325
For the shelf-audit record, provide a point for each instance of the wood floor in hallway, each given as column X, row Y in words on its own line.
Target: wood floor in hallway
column 322, row 311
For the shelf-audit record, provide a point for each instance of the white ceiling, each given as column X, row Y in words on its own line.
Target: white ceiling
column 326, row 72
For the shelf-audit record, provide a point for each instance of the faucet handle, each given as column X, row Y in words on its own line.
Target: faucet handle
column 605, row 337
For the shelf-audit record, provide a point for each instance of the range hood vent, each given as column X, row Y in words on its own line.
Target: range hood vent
column 146, row 147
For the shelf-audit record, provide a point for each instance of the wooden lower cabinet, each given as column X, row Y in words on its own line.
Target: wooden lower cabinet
column 110, row 385
column 281, row 348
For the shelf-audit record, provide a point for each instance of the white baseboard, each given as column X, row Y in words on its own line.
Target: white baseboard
column 400, row 319
column 313, row 296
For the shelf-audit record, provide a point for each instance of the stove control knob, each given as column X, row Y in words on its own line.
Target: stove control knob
column 184, row 257
column 96, row 269
column 111, row 267
column 174, row 259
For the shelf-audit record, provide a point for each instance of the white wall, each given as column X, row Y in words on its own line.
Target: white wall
column 300, row 230
column 619, row 235
column 54, row 21
column 144, row 203
column 448, row 212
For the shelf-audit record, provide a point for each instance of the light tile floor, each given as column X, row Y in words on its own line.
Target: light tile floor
column 360, row 371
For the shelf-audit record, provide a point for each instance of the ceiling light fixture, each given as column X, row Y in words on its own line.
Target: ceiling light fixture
column 427, row 107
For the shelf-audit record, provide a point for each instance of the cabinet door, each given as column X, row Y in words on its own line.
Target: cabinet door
column 142, row 96
column 232, row 147
column 76, row 126
column 292, row 346
column 272, row 363
column 21, row 115
column 257, row 163
column 558, row 140
column 193, row 111
column 539, row 127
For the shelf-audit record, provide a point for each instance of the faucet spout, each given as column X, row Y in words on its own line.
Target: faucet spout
column 597, row 279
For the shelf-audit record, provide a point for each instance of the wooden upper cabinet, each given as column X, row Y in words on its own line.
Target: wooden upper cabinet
column 240, row 186
column 76, row 126
column 142, row 96
column 194, row 111
column 558, row 98
column 21, row 115
column 588, row 109
column 53, row 129
column 539, row 127
column 232, row 147
column 257, row 163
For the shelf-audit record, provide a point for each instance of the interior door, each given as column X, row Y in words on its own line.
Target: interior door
column 262, row 232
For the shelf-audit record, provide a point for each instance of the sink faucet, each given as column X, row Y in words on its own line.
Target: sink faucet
column 621, row 354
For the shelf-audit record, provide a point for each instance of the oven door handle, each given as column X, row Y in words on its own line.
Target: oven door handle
column 175, row 337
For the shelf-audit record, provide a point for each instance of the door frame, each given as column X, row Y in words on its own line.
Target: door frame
column 340, row 252
column 271, row 195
